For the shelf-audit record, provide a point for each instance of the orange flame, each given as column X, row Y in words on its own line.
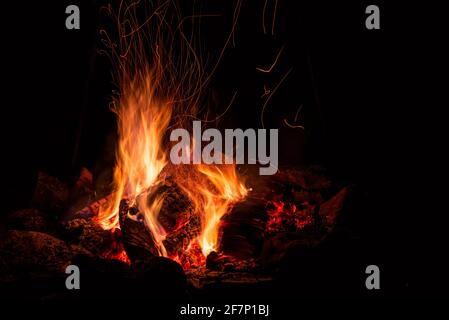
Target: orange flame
column 213, row 192
column 215, row 204
column 142, row 122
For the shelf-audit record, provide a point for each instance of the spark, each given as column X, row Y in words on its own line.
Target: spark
column 271, row 94
column 263, row 17
column 297, row 112
column 266, row 91
column 273, row 64
column 273, row 22
column 274, row 17
column 219, row 116
column 293, row 126
column 296, row 118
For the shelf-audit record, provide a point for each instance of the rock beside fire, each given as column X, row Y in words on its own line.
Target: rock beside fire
column 311, row 178
column 30, row 254
column 243, row 228
column 276, row 247
column 104, row 279
column 158, row 278
column 51, row 195
column 151, row 279
column 331, row 209
column 89, row 235
column 82, row 194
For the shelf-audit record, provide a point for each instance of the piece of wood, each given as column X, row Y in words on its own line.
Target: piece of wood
column 138, row 241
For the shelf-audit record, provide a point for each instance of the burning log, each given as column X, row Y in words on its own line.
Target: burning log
column 175, row 206
column 174, row 216
column 179, row 238
column 138, row 241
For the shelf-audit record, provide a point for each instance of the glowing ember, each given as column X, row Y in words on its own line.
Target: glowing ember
column 288, row 217
column 116, row 251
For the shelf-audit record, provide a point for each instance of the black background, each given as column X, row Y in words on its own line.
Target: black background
column 370, row 102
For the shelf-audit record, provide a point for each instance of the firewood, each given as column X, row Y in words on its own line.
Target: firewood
column 89, row 235
column 243, row 227
column 175, row 205
column 138, row 241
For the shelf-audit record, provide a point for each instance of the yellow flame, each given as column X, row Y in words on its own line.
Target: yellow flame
column 142, row 122
column 213, row 190
column 227, row 190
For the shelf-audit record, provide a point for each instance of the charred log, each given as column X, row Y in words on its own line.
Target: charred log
column 174, row 216
column 243, row 228
column 89, row 235
column 175, row 205
column 138, row 241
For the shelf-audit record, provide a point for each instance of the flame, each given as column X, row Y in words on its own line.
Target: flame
column 142, row 122
column 213, row 192
column 158, row 91
column 216, row 202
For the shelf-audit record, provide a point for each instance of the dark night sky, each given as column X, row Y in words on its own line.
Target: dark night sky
column 344, row 76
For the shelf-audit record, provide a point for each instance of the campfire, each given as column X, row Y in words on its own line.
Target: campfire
column 157, row 207
column 163, row 209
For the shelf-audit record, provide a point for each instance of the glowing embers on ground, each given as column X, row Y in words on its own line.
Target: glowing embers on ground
column 288, row 217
